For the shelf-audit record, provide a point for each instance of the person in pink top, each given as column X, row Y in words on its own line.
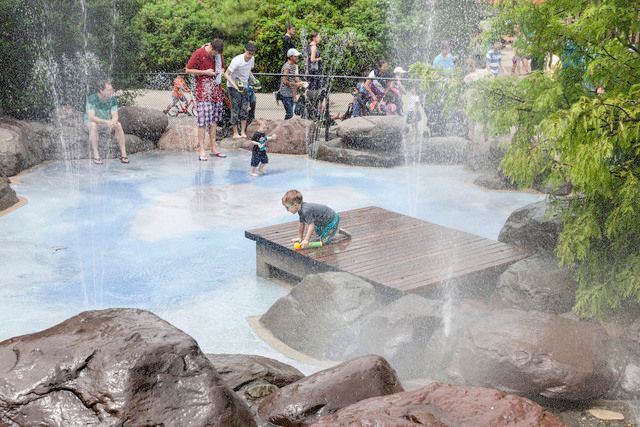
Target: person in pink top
column 207, row 64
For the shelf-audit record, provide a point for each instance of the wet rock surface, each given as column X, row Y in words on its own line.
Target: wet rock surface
column 372, row 133
column 113, row 367
column 493, row 181
column 145, row 123
column 318, row 307
column 537, row 283
column 253, row 377
column 181, row 138
column 399, row 332
column 444, row 150
column 443, row 405
column 20, row 148
column 536, row 353
column 325, row 392
column 533, row 226
column 337, row 152
column 8, row 197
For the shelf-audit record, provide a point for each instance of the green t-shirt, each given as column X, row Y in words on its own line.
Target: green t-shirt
column 103, row 110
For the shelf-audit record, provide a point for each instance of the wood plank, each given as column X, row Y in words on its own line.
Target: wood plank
column 395, row 250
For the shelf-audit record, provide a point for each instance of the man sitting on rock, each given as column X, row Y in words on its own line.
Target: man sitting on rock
column 101, row 114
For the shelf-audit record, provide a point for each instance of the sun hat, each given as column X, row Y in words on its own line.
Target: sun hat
column 399, row 70
column 293, row 52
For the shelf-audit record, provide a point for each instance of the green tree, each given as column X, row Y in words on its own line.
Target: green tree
column 565, row 131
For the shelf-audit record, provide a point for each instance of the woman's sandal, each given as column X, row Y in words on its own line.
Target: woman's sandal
column 97, row 160
column 203, row 158
column 124, row 159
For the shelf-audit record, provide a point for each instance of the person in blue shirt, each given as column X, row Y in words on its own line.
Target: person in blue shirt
column 444, row 60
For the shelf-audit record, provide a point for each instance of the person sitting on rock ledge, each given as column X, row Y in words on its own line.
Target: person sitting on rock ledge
column 101, row 113
column 319, row 218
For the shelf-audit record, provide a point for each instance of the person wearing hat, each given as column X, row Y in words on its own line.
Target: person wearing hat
column 290, row 82
column 395, row 91
column 238, row 75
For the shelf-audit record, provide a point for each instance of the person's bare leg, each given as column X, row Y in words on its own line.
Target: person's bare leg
column 93, row 139
column 120, row 138
column 201, row 151
column 212, row 139
column 253, row 171
column 261, row 168
column 243, row 128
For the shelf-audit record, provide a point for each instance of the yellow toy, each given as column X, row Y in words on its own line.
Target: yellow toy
column 297, row 245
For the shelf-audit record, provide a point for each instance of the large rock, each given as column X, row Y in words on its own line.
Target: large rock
column 399, row 332
column 318, row 307
column 443, row 405
column 537, row 283
column 377, row 133
column 8, row 197
column 19, row 149
column 325, row 392
column 533, row 226
column 113, row 367
column 486, row 151
column 292, row 136
column 253, row 377
column 493, row 181
column 180, row 138
column 145, row 123
column 335, row 151
column 536, row 353
column 444, row 150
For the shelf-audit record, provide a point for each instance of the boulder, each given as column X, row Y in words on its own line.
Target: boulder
column 486, row 151
column 253, row 377
column 292, row 136
column 536, row 353
column 399, row 332
column 332, row 152
column 113, row 367
column 493, row 181
column 442, row 405
column 8, row 197
column 533, row 226
column 446, row 150
column 145, row 123
column 180, row 138
column 325, row 392
column 321, row 305
column 19, row 149
column 373, row 133
column 537, row 283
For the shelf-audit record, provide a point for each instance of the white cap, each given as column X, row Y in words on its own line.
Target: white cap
column 399, row 70
column 293, row 52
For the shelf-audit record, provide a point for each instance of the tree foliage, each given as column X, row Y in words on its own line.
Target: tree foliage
column 567, row 131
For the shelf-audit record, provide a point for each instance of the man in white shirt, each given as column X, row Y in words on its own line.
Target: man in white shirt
column 238, row 75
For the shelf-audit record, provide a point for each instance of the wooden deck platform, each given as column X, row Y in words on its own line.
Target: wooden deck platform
column 387, row 248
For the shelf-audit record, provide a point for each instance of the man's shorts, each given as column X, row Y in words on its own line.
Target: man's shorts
column 239, row 106
column 209, row 113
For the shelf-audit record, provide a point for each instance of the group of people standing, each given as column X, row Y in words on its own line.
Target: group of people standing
column 208, row 66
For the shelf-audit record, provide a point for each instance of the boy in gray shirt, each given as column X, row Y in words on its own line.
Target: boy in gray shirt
column 319, row 218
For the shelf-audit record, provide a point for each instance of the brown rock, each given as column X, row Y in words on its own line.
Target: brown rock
column 536, row 353
column 8, row 197
column 180, row 138
column 325, row 392
column 442, row 405
column 291, row 135
column 113, row 367
column 145, row 123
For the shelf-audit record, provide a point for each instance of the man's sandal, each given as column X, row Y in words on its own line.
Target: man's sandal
column 124, row 159
column 97, row 160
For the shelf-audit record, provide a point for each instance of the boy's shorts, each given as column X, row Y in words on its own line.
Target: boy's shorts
column 329, row 231
column 257, row 157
